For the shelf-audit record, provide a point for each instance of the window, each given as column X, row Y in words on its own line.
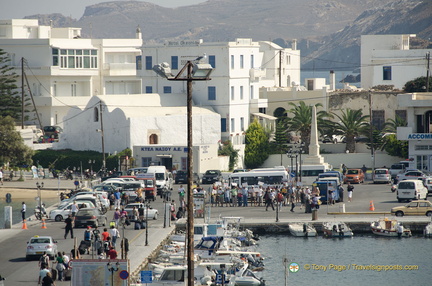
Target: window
column 402, row 114
column 232, row 93
column 167, row 89
column 232, row 125
column 223, row 125
column 74, row 59
column 149, row 89
column 378, row 119
column 212, row 93
column 242, row 124
column 174, row 62
column 288, row 59
column 251, row 92
column 212, row 61
column 232, row 61
column 149, row 62
column 387, row 73
column 146, row 161
column 241, row 61
column 241, row 92
column 138, row 62
column 153, row 139
column 96, row 114
column 252, row 61
column 73, row 89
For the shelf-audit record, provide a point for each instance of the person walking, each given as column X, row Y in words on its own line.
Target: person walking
column 44, row 260
column 245, row 196
column 1, row 176
column 350, row 189
column 115, row 234
column 43, row 272
column 112, row 253
column 268, row 200
column 74, row 209
column 69, row 226
column 234, row 196
column 60, row 266
column 105, row 234
column 47, row 280
column 23, row 211
column 117, row 199
column 293, row 202
column 116, row 216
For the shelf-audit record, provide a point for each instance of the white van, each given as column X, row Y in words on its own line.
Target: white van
column 164, row 179
column 411, row 190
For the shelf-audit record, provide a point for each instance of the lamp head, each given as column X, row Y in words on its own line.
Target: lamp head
column 163, row 69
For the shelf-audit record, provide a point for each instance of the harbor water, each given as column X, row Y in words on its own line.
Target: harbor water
column 360, row 260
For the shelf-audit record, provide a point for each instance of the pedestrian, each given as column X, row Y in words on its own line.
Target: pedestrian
column 116, row 216
column 105, row 234
column 293, row 202
column 112, row 200
column 66, row 260
column 260, row 196
column 23, row 211
column 112, row 253
column 279, row 199
column 181, row 193
column 88, row 234
column 268, row 200
column 364, row 169
column 43, row 272
column 135, row 213
column 234, row 193
column 117, row 196
column 331, row 191
column 350, row 189
column 60, row 266
column 44, row 260
column 245, row 196
column 48, row 280
column 341, row 193
column 227, row 197
column 69, row 226
column 173, row 210
column 74, row 209
column 344, row 170
column 400, row 230
column 1, row 176
column 115, row 234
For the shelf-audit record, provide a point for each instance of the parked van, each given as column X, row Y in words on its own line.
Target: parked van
column 164, row 179
column 411, row 190
column 428, row 183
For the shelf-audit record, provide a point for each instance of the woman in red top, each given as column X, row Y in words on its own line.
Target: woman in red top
column 105, row 234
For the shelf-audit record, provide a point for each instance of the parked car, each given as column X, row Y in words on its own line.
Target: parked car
column 396, row 169
column 37, row 135
column 428, row 184
column 37, row 245
column 212, row 176
column 411, row 190
column 381, row 175
column 419, row 207
column 63, row 211
column 52, row 131
column 90, row 217
column 354, row 176
column 411, row 175
column 152, row 213
column 181, row 177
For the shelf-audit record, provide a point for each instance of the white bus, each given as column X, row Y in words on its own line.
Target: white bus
column 310, row 173
column 268, row 176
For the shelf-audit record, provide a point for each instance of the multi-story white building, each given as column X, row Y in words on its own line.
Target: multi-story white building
column 388, row 60
column 240, row 67
column 65, row 70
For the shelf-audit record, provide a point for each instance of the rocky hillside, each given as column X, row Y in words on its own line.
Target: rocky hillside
column 327, row 30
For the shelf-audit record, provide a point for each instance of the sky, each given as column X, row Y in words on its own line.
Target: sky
column 18, row 9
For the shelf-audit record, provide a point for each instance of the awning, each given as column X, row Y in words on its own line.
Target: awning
column 164, row 155
column 266, row 116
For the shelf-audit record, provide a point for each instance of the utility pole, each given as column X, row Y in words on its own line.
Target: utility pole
column 371, row 132
column 102, row 135
column 427, row 71
column 280, row 68
column 22, row 93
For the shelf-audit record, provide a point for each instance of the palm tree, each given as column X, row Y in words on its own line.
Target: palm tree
column 351, row 124
column 301, row 120
column 392, row 124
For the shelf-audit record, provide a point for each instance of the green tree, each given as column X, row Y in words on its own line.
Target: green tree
column 10, row 101
column 256, row 150
column 418, row 85
column 227, row 149
column 12, row 147
column 395, row 147
column 351, row 124
column 301, row 120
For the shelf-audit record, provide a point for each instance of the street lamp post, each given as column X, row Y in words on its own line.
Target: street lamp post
column 147, row 225
column 196, row 71
column 113, row 269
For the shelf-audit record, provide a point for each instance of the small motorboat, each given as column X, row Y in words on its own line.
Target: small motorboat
column 302, row 229
column 336, row 229
column 389, row 227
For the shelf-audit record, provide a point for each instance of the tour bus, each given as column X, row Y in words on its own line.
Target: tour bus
column 268, row 176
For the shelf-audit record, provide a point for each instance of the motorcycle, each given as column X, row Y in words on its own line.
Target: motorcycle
column 40, row 212
column 393, row 188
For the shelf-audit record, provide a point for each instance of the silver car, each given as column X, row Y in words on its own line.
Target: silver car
column 37, row 245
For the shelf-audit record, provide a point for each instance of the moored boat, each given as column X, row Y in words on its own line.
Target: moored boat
column 389, row 227
column 336, row 229
column 302, row 229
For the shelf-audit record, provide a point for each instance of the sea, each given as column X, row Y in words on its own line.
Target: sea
column 339, row 75
column 360, row 260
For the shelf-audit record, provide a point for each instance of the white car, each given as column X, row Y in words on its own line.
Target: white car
column 103, row 196
column 381, row 176
column 63, row 211
column 37, row 245
column 152, row 213
column 411, row 175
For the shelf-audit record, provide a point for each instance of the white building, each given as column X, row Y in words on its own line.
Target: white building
column 240, row 67
column 419, row 129
column 388, row 60
column 134, row 121
column 64, row 70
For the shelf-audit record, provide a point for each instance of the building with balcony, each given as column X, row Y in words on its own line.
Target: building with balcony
column 241, row 68
column 65, row 70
